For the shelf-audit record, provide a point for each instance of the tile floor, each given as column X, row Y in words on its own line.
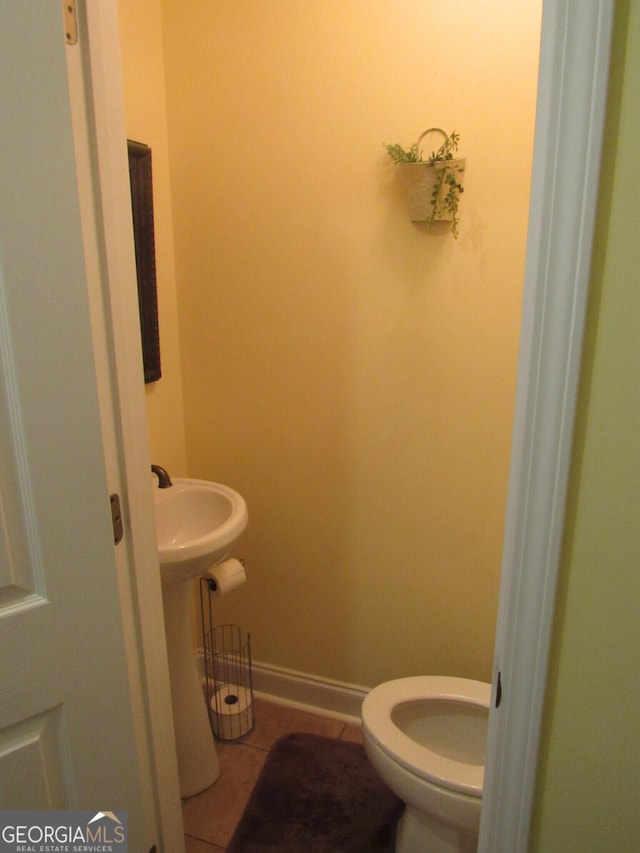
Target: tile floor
column 211, row 816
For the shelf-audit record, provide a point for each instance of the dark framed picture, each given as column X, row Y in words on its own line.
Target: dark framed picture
column 143, row 233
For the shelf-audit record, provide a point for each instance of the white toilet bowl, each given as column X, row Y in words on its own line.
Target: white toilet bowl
column 426, row 737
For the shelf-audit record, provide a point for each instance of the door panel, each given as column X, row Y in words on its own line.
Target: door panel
column 66, row 732
column 31, row 757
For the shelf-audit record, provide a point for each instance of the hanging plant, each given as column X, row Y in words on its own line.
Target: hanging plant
column 434, row 183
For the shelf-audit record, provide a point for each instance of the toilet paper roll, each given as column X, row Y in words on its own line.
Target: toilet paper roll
column 226, row 576
column 232, row 716
column 229, row 700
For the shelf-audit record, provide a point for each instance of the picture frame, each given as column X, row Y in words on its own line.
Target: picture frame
column 140, row 176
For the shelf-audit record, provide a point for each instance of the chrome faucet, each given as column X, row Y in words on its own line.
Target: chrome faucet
column 164, row 480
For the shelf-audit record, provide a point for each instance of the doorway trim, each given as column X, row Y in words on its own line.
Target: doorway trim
column 572, row 94
column 106, row 185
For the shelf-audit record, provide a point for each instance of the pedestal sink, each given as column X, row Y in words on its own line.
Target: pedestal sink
column 197, row 522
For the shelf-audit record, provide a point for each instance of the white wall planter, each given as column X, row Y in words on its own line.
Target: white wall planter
column 432, row 184
column 419, row 180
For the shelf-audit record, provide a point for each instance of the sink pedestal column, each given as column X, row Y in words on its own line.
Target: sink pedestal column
column 198, row 765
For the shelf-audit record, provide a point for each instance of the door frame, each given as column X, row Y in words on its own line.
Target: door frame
column 103, row 173
column 570, row 117
column 573, row 77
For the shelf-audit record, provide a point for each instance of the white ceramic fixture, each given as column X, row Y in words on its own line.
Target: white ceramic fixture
column 197, row 522
column 426, row 736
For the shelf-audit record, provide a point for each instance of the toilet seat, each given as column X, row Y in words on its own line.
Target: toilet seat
column 377, row 718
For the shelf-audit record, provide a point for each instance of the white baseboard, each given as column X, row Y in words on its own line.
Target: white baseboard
column 309, row 692
column 302, row 690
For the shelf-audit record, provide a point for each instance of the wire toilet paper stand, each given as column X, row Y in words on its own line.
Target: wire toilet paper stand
column 228, row 681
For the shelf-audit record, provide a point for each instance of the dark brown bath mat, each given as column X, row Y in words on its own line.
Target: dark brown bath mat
column 317, row 795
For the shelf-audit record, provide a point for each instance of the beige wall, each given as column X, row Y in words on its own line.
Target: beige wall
column 588, row 779
column 373, row 296
column 143, row 73
column 352, row 374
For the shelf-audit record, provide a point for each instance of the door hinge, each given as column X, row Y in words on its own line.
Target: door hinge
column 70, row 21
column 116, row 518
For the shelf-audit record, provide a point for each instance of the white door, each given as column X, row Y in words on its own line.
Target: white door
column 66, row 731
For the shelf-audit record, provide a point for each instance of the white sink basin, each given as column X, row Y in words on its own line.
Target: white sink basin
column 196, row 523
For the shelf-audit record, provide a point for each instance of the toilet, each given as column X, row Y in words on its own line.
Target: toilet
column 426, row 737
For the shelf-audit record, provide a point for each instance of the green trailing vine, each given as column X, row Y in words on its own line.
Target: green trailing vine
column 399, row 155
